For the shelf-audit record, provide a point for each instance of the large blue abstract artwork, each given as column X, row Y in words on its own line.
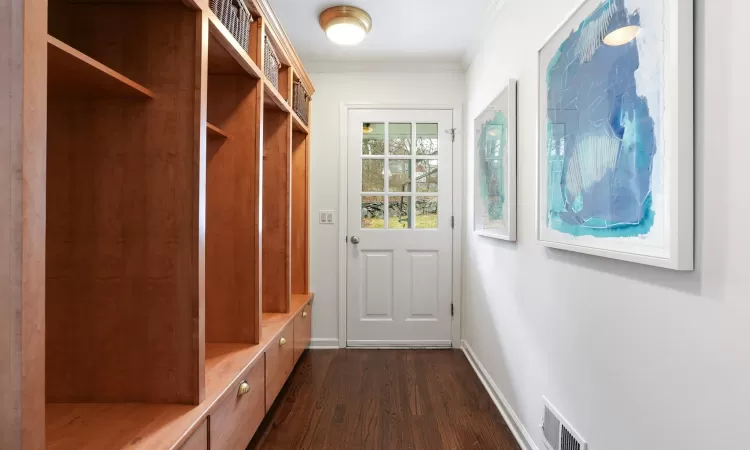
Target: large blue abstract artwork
column 607, row 152
column 601, row 138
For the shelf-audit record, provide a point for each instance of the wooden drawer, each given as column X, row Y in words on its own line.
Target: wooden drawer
column 279, row 363
column 302, row 331
column 198, row 440
column 235, row 420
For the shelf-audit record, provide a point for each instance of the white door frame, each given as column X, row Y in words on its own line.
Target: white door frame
column 458, row 210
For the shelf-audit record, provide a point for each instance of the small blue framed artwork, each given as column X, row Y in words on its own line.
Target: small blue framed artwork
column 615, row 131
column 495, row 167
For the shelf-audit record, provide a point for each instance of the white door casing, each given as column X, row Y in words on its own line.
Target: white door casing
column 399, row 203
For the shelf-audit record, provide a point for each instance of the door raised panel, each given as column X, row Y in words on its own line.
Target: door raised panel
column 424, row 272
column 377, row 277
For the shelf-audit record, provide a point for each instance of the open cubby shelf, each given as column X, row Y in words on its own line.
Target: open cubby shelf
column 225, row 55
column 276, row 219
column 122, row 214
column 167, row 152
column 233, row 210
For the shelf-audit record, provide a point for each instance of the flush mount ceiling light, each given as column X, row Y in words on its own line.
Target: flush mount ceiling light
column 367, row 128
column 345, row 25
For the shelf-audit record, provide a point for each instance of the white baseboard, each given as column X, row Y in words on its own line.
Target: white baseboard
column 324, row 343
column 514, row 423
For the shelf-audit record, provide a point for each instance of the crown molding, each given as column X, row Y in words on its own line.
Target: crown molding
column 391, row 66
column 279, row 36
column 490, row 17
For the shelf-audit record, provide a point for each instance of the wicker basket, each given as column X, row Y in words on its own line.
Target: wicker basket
column 300, row 101
column 236, row 17
column 271, row 64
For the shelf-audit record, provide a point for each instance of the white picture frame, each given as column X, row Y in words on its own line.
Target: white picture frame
column 670, row 244
column 501, row 222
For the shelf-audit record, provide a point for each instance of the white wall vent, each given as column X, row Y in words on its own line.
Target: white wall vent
column 557, row 432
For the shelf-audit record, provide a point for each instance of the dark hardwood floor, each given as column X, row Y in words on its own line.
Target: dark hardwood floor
column 383, row 399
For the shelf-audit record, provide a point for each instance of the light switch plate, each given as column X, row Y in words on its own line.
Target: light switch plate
column 326, row 217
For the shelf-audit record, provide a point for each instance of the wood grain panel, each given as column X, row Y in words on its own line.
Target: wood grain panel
column 232, row 237
column 123, row 269
column 300, row 213
column 279, row 362
column 276, row 210
column 236, row 418
column 199, row 439
column 23, row 85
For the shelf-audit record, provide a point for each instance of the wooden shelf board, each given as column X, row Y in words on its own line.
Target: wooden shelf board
column 225, row 56
column 93, row 426
column 215, row 132
column 272, row 98
column 299, row 125
column 71, row 73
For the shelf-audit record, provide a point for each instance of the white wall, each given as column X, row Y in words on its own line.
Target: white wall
column 635, row 357
column 331, row 90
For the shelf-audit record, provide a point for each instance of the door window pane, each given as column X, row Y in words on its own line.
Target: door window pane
column 373, row 176
column 427, row 212
column 373, row 212
column 427, row 175
column 399, row 138
column 373, row 139
column 399, row 212
column 399, row 175
column 427, row 139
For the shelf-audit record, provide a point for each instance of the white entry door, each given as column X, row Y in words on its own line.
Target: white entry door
column 399, row 262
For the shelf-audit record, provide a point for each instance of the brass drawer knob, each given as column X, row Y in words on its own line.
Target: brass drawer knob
column 282, row 341
column 243, row 389
column 304, row 313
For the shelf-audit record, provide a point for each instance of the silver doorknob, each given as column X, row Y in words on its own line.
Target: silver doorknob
column 355, row 240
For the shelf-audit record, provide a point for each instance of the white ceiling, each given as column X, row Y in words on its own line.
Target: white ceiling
column 404, row 32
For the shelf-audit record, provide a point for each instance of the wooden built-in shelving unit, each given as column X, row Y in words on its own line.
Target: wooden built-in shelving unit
column 166, row 242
